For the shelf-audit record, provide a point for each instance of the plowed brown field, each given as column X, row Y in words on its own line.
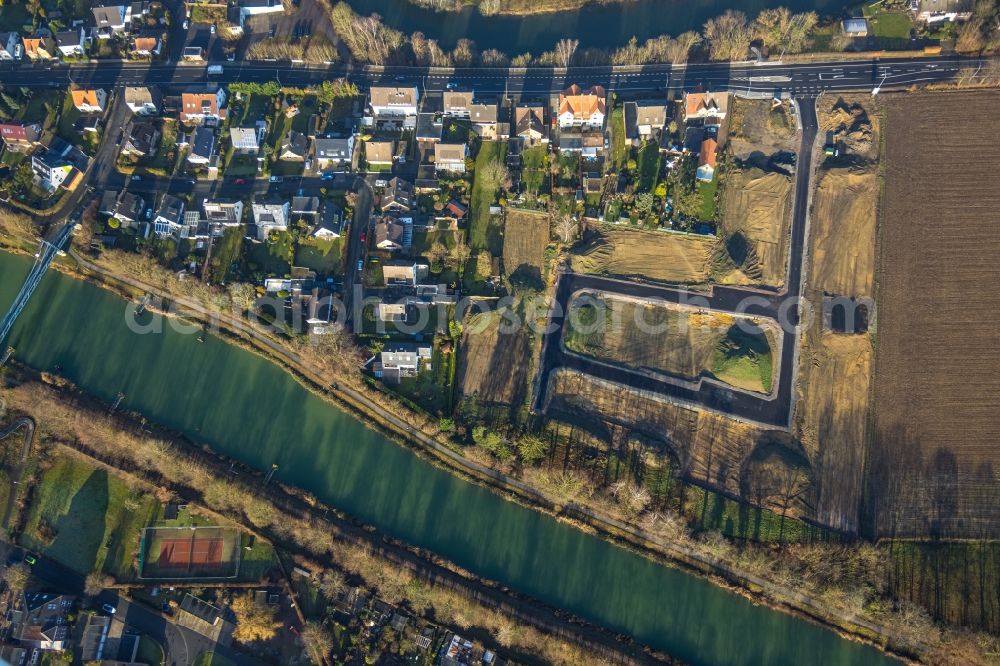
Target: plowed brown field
column 936, row 458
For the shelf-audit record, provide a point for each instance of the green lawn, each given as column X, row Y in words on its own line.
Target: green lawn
column 323, row 256
column 744, row 359
column 85, row 518
column 272, row 257
column 150, row 652
column 256, row 108
column 648, row 166
column 535, row 169
column 256, row 561
column 14, row 16
column 707, row 192
column 483, row 196
column 891, row 29
column 618, row 150
column 709, row 510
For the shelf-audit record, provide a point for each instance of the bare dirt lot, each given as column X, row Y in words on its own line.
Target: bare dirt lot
column 935, row 462
column 493, row 365
column 835, row 369
column 654, row 255
column 525, row 236
column 755, row 220
column 755, row 126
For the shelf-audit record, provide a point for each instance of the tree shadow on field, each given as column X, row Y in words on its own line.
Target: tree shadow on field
column 80, row 531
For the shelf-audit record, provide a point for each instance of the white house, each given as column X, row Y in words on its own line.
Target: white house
column 204, row 106
column 402, row 361
column 394, row 102
column 582, row 108
column 268, row 217
column 142, row 101
column 228, row 213
column 169, row 216
column 9, row 41
column 333, row 152
column 250, row 8
column 450, row 157
column 244, row 140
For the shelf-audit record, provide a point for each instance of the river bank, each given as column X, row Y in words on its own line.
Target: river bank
column 234, row 379
column 131, row 446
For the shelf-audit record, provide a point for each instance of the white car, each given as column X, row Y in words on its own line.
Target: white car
column 109, row 609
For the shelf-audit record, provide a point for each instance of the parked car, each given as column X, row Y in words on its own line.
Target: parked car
column 451, row 85
column 276, row 179
column 326, row 175
column 212, row 29
column 136, row 178
column 186, row 24
column 109, row 609
column 361, row 265
column 240, row 181
column 364, row 236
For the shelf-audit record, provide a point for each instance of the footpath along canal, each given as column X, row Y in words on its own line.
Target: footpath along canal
column 248, row 408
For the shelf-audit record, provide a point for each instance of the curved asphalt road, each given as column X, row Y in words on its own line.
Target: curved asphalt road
column 774, row 410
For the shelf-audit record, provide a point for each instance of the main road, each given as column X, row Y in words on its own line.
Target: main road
column 759, row 78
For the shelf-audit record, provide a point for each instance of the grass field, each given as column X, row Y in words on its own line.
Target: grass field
column 323, row 256
column 535, row 169
column 482, row 197
column 934, row 462
column 657, row 256
column 493, row 365
column 755, row 220
column 85, row 518
column 150, row 652
column 744, row 359
column 526, row 234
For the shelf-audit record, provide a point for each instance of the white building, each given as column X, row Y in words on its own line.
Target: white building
column 394, row 102
column 269, row 217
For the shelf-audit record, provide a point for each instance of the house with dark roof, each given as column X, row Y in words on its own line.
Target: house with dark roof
column 41, row 620
column 295, row 147
column 72, row 42
column 333, row 152
column 202, row 146
column 529, row 124
column 169, row 217
column 109, row 20
column 398, row 196
column 140, row 139
column 331, row 222
column 390, row 234
column 126, row 207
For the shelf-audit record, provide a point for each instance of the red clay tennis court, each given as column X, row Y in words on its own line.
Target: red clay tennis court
column 190, row 553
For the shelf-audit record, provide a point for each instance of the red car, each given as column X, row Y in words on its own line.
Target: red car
column 240, row 181
column 364, row 236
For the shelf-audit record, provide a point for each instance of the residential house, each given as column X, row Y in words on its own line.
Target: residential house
column 55, row 166
column 295, row 147
column 529, row 124
column 169, row 217
column 126, row 207
column 137, row 11
column 224, row 212
column 268, row 217
column 109, row 20
column 394, row 312
column 580, row 107
column 391, row 102
column 398, row 360
column 398, row 196
column 331, row 223
column 450, row 157
column 13, row 655
column 305, row 207
column 72, row 43
column 193, row 54
column 644, row 119
column 204, row 107
column 9, row 41
column 89, row 100
column 94, row 638
column 407, row 273
column 426, row 180
column 40, row 620
column 456, row 103
column 250, row 8
column 333, row 153
column 429, row 127
column 140, row 139
column 20, row 138
column 244, row 140
column 708, row 106
column 484, row 120
column 143, row 101
column 39, row 48
column 391, row 233
column 855, row 27
column 202, row 146
column 587, row 144
column 379, row 153
column 706, row 160
column 454, row 211
column 145, row 45
column 937, row 11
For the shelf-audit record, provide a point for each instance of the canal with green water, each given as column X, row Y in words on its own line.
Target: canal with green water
column 248, row 408
column 596, row 25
